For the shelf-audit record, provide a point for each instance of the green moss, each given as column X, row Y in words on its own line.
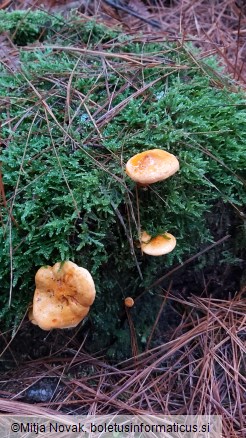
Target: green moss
column 63, row 164
column 28, row 26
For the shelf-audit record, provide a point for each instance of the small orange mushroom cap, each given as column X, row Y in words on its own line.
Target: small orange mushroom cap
column 63, row 296
column 129, row 302
column 151, row 166
column 159, row 245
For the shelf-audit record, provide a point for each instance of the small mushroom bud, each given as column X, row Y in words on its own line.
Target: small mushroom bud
column 129, row 302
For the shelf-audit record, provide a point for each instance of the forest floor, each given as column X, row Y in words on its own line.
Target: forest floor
column 217, row 26
column 51, row 373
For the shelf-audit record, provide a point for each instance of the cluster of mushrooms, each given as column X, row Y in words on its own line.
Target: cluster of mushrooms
column 64, row 292
column 146, row 168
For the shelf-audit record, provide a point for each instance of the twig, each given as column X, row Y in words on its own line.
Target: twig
column 130, row 11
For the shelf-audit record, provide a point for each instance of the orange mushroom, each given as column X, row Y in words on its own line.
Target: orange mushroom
column 159, row 245
column 63, row 296
column 151, row 166
column 129, row 302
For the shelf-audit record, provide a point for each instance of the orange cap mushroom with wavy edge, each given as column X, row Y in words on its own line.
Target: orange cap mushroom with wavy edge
column 63, row 296
column 159, row 245
column 151, row 166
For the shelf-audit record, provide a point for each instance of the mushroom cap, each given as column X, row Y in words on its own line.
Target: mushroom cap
column 151, row 166
column 63, row 296
column 129, row 302
column 158, row 245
